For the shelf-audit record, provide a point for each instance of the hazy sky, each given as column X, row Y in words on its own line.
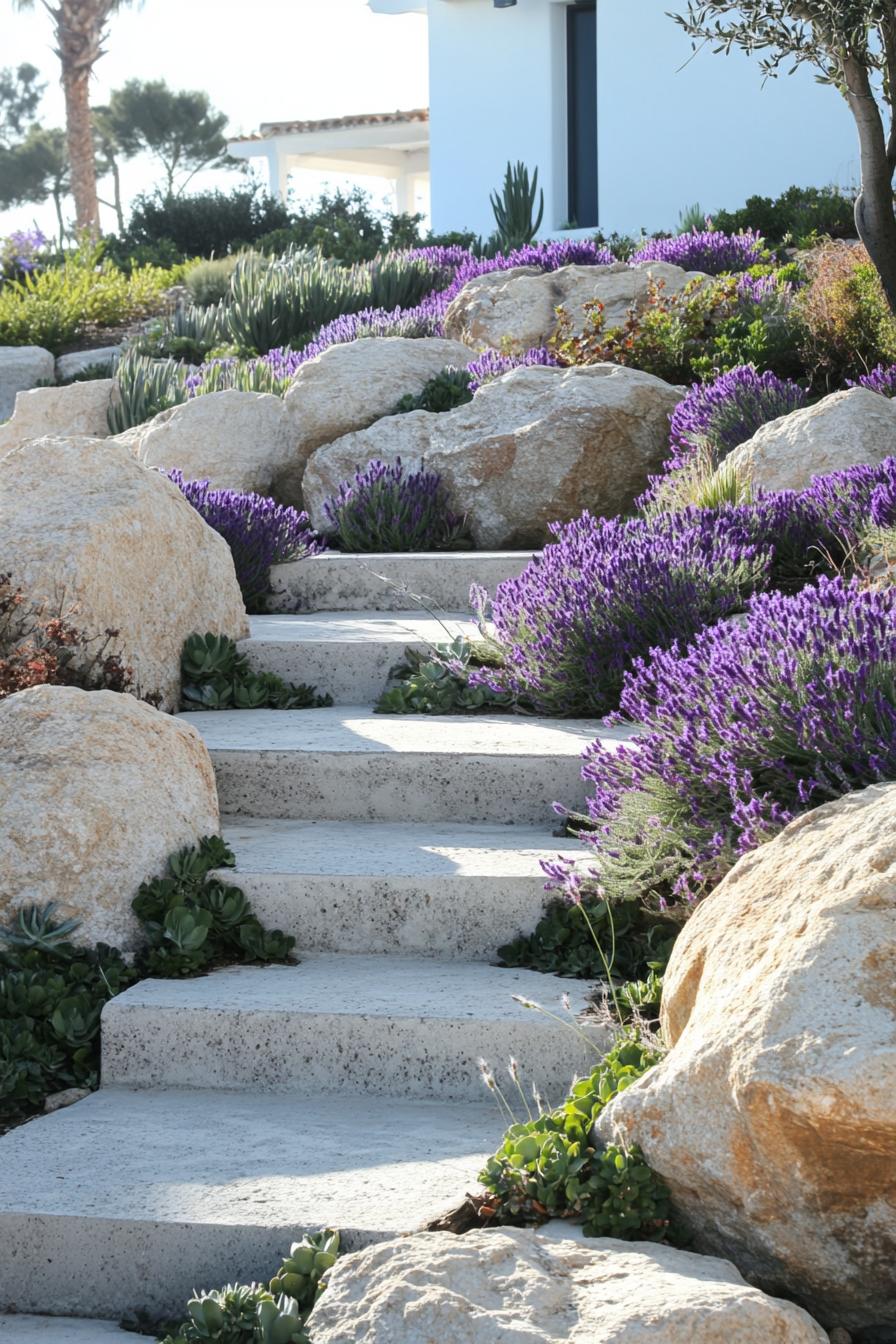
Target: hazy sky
column 259, row 60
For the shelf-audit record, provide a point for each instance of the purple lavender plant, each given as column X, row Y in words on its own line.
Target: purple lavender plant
column 20, row 252
column 714, row 418
column 259, row 532
column 605, row 592
column 491, row 364
column 881, row 379
column 710, row 251
column 753, row 723
column 382, row 509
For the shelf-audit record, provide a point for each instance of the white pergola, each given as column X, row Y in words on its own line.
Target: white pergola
column 391, row 145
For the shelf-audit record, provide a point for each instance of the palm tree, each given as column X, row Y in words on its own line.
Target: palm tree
column 80, row 28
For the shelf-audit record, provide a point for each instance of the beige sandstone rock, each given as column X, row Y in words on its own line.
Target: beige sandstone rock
column 79, row 409
column 516, row 310
column 516, row 1286
column 349, row 386
column 235, row 440
column 21, row 367
column 536, row 445
column 96, row 790
column 773, row 1118
column 845, row 429
column 83, row 524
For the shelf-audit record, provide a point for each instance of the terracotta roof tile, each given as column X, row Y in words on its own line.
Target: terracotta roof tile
column 269, row 129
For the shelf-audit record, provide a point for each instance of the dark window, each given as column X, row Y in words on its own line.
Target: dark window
column 581, row 68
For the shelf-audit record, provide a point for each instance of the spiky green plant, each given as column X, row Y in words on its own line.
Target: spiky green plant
column 513, row 208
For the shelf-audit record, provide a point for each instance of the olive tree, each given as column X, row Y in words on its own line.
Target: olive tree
column 851, row 45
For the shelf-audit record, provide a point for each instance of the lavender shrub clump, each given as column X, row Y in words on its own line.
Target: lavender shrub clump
column 606, row 592
column 259, row 532
column 714, row 418
column 710, row 251
column 382, row 509
column 488, row 366
column 881, row 379
column 752, row 724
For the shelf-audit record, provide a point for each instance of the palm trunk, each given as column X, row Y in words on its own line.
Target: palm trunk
column 79, row 133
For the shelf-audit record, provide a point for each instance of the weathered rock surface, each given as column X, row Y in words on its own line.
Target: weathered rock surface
column 96, row 790
column 21, row 367
column 70, row 366
column 517, row 309
column 516, row 1286
column 536, row 445
column 843, row 430
column 77, row 410
column 83, row 526
column 235, row 440
column 773, row 1118
column 351, row 385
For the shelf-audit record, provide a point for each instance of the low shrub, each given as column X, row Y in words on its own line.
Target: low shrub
column 799, row 215
column 706, row 329
column 605, row 592
column 582, row 939
column 209, row 281
column 41, row 646
column 845, row 324
column 552, row 1167
column 276, row 1314
column 710, row 422
column 708, row 250
column 754, row 722
column 53, row 307
column 202, row 224
column 259, row 532
column 344, row 226
column 52, row 992
column 381, row 508
column 216, row 676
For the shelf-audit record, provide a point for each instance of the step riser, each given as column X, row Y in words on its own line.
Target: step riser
column 351, row 674
column 350, row 583
column 378, row 786
column 335, row 1054
column 446, row 918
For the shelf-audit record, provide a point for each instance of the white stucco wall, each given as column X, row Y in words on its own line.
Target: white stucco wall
column 672, row 131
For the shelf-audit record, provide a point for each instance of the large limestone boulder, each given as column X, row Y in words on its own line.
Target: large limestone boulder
column 77, row 410
column 537, row 445
column 520, row 1287
column 21, row 367
column 773, row 1118
column 844, row 430
column 96, row 790
column 517, row 309
column 235, row 440
column 74, row 364
column 84, row 526
column 350, row 385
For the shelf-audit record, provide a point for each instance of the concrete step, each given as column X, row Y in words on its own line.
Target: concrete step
column 61, row 1330
column 348, row 764
column 439, row 580
column 356, row 1025
column 418, row 890
column 349, row 654
column 135, row 1199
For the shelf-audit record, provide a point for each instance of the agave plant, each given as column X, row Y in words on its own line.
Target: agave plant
column 513, row 209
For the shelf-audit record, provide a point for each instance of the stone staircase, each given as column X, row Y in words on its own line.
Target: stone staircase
column 241, row 1109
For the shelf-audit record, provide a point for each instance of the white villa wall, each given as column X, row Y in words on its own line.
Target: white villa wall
column 709, row 132
column 672, row 131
